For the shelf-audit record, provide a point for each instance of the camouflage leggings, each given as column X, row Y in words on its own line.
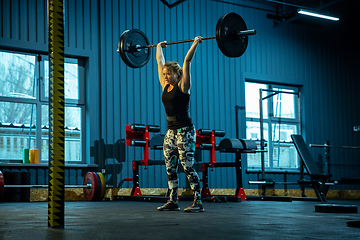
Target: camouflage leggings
column 181, row 143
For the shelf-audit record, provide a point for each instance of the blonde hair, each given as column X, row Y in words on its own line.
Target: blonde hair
column 174, row 67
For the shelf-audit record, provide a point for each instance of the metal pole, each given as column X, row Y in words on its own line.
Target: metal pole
column 237, row 120
column 262, row 141
column 327, row 156
column 56, row 200
column 300, row 131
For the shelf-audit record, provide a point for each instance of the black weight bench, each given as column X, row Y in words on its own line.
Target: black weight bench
column 318, row 181
column 237, row 146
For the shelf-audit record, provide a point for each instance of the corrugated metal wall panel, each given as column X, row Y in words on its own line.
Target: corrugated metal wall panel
column 1, row 19
column 87, row 27
column 31, row 23
column 15, row 17
column 290, row 54
column 217, row 80
column 80, row 24
column 24, row 18
column 25, row 24
column 41, row 20
column 70, row 25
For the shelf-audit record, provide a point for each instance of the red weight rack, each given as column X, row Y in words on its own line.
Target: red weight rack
column 206, row 139
column 138, row 135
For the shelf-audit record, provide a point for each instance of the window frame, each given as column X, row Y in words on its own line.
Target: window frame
column 40, row 100
column 270, row 120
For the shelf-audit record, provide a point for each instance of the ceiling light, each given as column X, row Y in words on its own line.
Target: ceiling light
column 316, row 14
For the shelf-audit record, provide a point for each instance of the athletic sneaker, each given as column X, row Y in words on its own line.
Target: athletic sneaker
column 169, row 206
column 196, row 206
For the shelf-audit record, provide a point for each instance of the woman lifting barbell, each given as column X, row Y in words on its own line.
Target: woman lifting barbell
column 180, row 138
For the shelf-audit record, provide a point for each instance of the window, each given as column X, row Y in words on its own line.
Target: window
column 279, row 108
column 24, row 106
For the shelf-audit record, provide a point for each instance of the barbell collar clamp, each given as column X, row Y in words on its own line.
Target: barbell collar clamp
column 246, row 32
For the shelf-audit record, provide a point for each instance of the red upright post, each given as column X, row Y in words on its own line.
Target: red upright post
column 212, row 152
column 146, row 137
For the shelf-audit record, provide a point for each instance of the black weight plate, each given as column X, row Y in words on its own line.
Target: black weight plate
column 135, row 58
column 229, row 43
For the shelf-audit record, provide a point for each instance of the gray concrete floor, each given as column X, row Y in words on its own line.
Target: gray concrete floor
column 141, row 220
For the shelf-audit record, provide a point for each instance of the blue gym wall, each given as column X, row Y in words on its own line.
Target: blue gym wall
column 321, row 60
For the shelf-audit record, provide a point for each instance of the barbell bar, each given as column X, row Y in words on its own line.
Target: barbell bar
column 238, row 34
column 333, row 146
column 45, row 186
column 231, row 37
column 94, row 186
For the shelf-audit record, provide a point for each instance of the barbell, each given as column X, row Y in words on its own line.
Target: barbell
column 94, row 186
column 332, row 146
column 231, row 37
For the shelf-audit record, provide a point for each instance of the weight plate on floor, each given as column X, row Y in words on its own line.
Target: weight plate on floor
column 103, row 186
column 135, row 58
column 90, row 193
column 2, row 188
column 353, row 224
column 335, row 208
column 97, row 195
column 228, row 41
